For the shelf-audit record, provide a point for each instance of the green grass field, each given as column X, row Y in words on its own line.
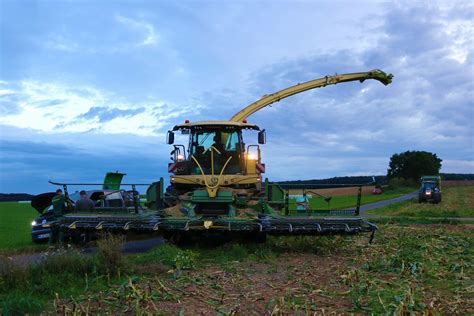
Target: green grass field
column 15, row 226
column 456, row 202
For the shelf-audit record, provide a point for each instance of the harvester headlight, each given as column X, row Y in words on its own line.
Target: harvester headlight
column 251, row 157
column 180, row 158
column 34, row 223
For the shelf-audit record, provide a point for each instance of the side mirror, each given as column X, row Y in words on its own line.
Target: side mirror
column 170, row 138
column 262, row 137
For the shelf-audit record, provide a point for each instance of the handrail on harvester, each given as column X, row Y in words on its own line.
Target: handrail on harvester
column 375, row 74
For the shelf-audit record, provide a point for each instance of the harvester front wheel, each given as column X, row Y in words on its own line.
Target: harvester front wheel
column 171, row 196
column 260, row 238
column 257, row 238
column 178, row 238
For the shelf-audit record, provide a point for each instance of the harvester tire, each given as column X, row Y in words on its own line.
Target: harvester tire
column 80, row 238
column 179, row 239
column 260, row 238
column 257, row 238
column 171, row 196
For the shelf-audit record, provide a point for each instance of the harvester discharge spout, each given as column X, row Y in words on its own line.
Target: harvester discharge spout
column 266, row 100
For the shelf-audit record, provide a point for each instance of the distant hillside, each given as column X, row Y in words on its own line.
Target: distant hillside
column 13, row 197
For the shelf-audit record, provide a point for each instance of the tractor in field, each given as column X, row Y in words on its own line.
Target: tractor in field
column 430, row 189
column 216, row 188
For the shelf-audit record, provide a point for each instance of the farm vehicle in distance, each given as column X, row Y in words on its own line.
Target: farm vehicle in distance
column 430, row 189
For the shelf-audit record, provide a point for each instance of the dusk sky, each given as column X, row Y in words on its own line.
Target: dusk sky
column 92, row 86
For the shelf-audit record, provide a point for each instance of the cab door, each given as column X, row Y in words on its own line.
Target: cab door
column 113, row 180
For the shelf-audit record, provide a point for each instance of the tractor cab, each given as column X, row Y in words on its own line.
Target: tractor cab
column 215, row 149
column 430, row 189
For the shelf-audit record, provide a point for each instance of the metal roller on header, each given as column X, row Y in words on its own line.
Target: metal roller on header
column 217, row 187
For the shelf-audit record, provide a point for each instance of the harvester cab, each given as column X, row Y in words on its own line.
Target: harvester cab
column 216, row 157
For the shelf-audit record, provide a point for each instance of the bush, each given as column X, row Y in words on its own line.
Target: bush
column 20, row 303
column 164, row 254
column 413, row 165
column 6, row 266
column 110, row 252
column 65, row 262
column 397, row 183
column 185, row 260
column 10, row 275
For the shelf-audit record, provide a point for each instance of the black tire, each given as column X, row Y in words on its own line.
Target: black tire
column 437, row 198
column 180, row 239
column 420, row 198
column 171, row 196
column 261, row 238
column 81, row 239
column 39, row 241
column 254, row 238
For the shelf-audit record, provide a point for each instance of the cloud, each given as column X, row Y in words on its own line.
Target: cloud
column 458, row 166
column 105, row 114
column 46, row 103
column 27, row 165
column 145, row 29
column 55, row 108
column 62, row 43
column 9, row 100
column 127, row 34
